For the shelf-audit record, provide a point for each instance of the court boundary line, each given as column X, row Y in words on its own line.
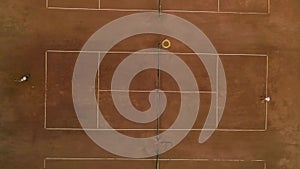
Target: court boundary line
column 269, row 6
column 265, row 165
column 97, row 94
column 158, row 91
column 149, row 159
column 267, row 93
column 140, row 52
column 152, row 10
column 217, row 93
column 188, row 92
column 45, row 89
column 218, row 11
column 152, row 129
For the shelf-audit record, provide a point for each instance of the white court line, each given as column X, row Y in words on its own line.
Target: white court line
column 99, row 4
column 44, row 163
column 187, row 11
column 152, row 10
column 98, row 96
column 155, row 91
column 265, row 165
column 147, row 159
column 139, row 52
column 266, row 117
column 217, row 91
column 71, row 51
column 68, row 9
column 267, row 94
column 151, row 159
column 47, row 4
column 218, row 5
column 98, row 129
column 45, row 90
column 269, row 6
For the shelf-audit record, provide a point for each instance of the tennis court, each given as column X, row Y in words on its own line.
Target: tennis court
column 241, row 59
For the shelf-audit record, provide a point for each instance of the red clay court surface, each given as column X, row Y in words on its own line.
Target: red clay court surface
column 257, row 42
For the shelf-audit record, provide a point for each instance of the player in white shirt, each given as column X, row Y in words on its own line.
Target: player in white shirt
column 24, row 78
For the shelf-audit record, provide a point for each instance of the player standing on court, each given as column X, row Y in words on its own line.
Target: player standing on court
column 23, row 78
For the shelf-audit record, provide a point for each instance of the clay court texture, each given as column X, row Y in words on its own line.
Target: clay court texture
column 256, row 48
